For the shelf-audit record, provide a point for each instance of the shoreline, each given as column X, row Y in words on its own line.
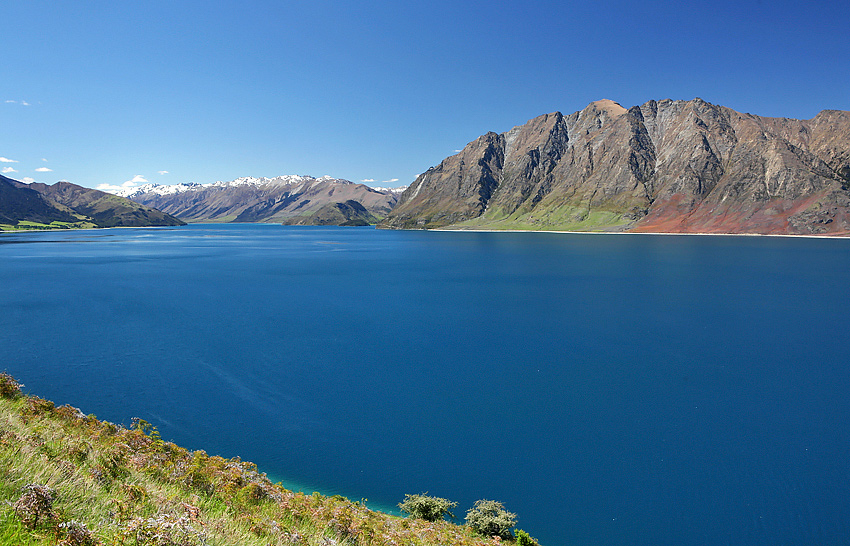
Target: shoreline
column 476, row 230
column 69, row 230
column 701, row 234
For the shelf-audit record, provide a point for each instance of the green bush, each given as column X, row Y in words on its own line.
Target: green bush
column 491, row 519
column 425, row 507
column 524, row 539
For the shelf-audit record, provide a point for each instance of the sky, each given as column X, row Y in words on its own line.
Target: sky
column 114, row 93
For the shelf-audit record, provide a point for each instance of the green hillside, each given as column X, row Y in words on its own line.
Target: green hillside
column 72, row 480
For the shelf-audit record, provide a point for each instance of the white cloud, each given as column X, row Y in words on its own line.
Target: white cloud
column 108, row 188
column 162, row 172
column 11, row 101
column 458, row 151
column 368, row 180
column 138, row 179
column 9, row 170
column 390, row 181
column 28, row 180
column 44, row 159
column 129, row 184
column 7, row 160
column 43, row 170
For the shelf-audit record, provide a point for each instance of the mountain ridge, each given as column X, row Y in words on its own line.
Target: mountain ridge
column 67, row 205
column 252, row 199
column 664, row 166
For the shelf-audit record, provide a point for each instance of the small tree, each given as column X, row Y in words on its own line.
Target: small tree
column 425, row 507
column 491, row 519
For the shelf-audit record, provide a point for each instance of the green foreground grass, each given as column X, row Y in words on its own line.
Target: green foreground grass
column 72, row 480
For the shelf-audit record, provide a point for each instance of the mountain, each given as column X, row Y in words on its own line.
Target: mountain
column 21, row 203
column 666, row 166
column 260, row 199
column 67, row 205
column 350, row 213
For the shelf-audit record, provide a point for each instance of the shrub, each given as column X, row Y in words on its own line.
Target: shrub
column 163, row 530
column 425, row 507
column 36, row 504
column 9, row 388
column 76, row 534
column 491, row 519
column 252, row 493
column 37, row 406
column 524, row 539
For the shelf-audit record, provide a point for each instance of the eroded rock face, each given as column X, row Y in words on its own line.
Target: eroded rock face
column 675, row 166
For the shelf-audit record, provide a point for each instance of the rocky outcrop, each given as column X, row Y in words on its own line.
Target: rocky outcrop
column 261, row 199
column 667, row 166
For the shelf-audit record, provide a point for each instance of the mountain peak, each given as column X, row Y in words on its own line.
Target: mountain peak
column 608, row 106
column 684, row 166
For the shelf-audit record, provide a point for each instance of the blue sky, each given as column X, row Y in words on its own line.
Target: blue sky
column 107, row 92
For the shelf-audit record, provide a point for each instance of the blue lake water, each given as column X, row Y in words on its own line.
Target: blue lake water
column 611, row 390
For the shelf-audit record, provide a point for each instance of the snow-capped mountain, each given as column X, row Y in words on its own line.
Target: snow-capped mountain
column 252, row 199
column 171, row 189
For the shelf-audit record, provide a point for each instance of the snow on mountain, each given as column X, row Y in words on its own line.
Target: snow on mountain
column 259, row 199
column 172, row 189
column 398, row 190
column 159, row 189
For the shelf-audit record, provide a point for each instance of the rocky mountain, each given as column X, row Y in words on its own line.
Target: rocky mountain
column 666, row 166
column 350, row 213
column 260, row 199
column 67, row 205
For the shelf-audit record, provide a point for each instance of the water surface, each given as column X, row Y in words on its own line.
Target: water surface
column 611, row 390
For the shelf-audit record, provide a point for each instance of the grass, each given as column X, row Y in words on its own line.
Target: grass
column 104, row 484
column 26, row 225
column 561, row 218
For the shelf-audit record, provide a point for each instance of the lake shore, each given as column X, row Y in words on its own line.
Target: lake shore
column 812, row 236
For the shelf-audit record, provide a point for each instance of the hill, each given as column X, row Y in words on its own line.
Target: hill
column 19, row 203
column 70, row 479
column 349, row 213
column 666, row 166
column 66, row 205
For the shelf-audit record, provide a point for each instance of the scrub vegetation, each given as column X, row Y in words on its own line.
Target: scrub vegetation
column 69, row 479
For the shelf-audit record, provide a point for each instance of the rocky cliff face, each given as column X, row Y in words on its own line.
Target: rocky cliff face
column 669, row 166
column 260, row 199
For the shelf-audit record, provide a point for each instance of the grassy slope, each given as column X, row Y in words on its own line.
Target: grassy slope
column 25, row 225
column 128, row 487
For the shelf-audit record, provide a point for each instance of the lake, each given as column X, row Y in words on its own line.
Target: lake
column 610, row 389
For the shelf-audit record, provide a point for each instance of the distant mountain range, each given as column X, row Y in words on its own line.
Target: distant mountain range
column 66, row 205
column 666, row 166
column 286, row 199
